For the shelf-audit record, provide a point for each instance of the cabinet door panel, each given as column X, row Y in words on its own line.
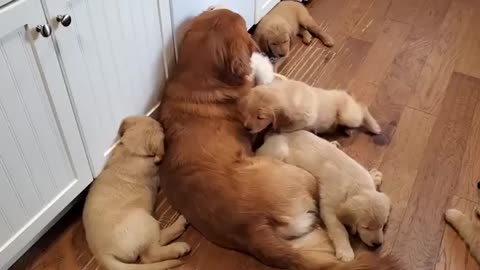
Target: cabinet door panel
column 113, row 61
column 43, row 164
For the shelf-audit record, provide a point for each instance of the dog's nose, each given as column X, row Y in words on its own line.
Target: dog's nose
column 376, row 245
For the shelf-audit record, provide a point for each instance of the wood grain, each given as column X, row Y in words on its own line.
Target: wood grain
column 404, row 10
column 430, row 89
column 372, row 23
column 454, row 253
column 469, row 47
column 400, row 166
column 422, row 227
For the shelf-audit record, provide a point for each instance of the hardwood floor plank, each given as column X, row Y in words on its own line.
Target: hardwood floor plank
column 469, row 60
column 422, row 228
column 402, row 76
column 454, row 254
column 430, row 89
column 346, row 62
column 400, row 166
column 470, row 174
column 372, row 23
column 382, row 53
column 404, row 10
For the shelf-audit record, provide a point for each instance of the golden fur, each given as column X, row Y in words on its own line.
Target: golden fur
column 212, row 177
column 276, row 31
column 468, row 229
column 293, row 105
column 117, row 213
column 348, row 194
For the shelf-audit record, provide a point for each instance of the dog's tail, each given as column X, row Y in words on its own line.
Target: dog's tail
column 369, row 122
column 110, row 262
column 275, row 251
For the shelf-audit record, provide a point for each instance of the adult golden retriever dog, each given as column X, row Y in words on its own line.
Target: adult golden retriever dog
column 239, row 201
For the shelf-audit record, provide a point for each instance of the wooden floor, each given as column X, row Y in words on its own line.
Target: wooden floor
column 417, row 64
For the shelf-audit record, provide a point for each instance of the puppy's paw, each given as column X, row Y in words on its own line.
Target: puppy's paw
column 453, row 215
column 336, row 143
column 307, row 40
column 180, row 248
column 376, row 176
column 375, row 128
column 328, row 40
column 181, row 222
column 345, row 255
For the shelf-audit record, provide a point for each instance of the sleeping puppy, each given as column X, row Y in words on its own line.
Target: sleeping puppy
column 276, row 31
column 117, row 215
column 348, row 192
column 293, row 105
column 468, row 229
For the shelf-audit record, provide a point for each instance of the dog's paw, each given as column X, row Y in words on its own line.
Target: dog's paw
column 376, row 176
column 328, row 41
column 181, row 248
column 181, row 222
column 346, row 255
column 452, row 215
column 336, row 143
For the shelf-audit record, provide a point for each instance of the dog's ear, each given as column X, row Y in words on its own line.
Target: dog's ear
column 281, row 119
column 126, row 124
column 262, row 42
column 346, row 213
column 155, row 144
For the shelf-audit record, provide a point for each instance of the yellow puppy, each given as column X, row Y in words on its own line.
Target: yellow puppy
column 275, row 32
column 348, row 194
column 117, row 215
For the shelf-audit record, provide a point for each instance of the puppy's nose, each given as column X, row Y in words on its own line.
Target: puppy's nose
column 376, row 245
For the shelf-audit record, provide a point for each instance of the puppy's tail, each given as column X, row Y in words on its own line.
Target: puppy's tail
column 369, row 122
column 110, row 262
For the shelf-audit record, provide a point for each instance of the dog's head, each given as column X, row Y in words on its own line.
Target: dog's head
column 142, row 136
column 276, row 40
column 259, row 108
column 367, row 214
column 216, row 44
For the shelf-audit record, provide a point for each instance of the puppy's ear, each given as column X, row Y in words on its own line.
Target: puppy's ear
column 155, row 144
column 126, row 124
column 281, row 119
column 262, row 42
column 346, row 213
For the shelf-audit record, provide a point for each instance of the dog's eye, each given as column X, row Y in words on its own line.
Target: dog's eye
column 260, row 117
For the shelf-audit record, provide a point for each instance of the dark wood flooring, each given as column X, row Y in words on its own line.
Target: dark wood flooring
column 417, row 64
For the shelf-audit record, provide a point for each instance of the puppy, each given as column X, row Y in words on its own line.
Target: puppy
column 468, row 229
column 348, row 192
column 276, row 31
column 292, row 105
column 262, row 69
column 117, row 215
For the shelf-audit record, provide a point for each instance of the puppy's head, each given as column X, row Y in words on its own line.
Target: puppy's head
column 367, row 214
column 217, row 43
column 259, row 108
column 276, row 40
column 142, row 136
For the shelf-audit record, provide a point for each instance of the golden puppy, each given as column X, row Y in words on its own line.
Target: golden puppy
column 348, row 194
column 275, row 32
column 117, row 215
column 468, row 229
column 293, row 105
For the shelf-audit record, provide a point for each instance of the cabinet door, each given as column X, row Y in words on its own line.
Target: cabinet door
column 43, row 164
column 183, row 10
column 262, row 7
column 114, row 59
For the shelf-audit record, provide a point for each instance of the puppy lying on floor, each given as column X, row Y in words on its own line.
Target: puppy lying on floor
column 276, row 31
column 468, row 229
column 117, row 216
column 348, row 192
column 293, row 105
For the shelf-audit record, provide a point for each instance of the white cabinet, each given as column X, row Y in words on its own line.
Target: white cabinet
column 64, row 92
column 113, row 63
column 262, row 7
column 43, row 165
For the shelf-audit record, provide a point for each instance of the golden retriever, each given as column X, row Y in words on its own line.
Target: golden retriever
column 293, row 105
column 211, row 176
column 117, row 214
column 348, row 194
column 468, row 229
column 276, row 31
